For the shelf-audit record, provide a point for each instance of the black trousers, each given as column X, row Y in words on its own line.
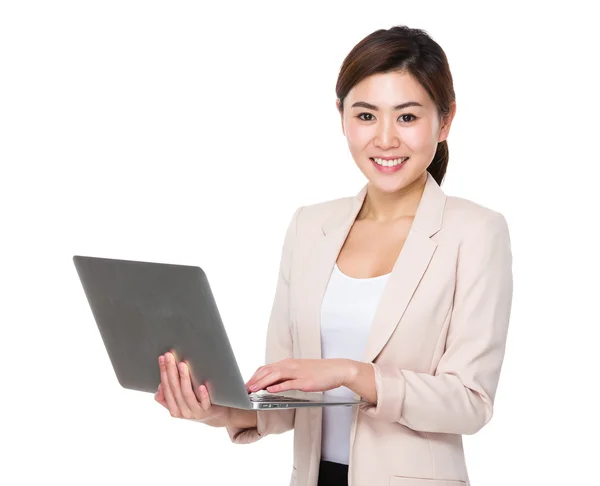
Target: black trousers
column 333, row 474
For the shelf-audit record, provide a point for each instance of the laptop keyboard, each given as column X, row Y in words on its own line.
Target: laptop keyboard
column 275, row 398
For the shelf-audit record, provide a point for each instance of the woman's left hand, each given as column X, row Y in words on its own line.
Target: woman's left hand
column 309, row 375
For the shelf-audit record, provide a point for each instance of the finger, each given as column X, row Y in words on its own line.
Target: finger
column 187, row 391
column 204, row 398
column 166, row 387
column 268, row 380
column 175, row 384
column 276, row 372
column 288, row 385
column 288, row 368
column 258, row 374
column 159, row 396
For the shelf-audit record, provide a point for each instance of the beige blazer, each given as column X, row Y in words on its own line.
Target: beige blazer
column 436, row 344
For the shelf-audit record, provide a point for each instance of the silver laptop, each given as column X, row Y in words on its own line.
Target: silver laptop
column 144, row 309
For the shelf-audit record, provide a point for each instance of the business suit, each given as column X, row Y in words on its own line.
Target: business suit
column 436, row 343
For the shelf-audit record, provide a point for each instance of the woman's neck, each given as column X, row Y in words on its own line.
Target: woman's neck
column 383, row 207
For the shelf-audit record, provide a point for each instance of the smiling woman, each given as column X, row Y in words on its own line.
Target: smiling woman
column 399, row 295
column 397, row 118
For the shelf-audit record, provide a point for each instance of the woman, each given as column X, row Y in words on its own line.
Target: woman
column 400, row 295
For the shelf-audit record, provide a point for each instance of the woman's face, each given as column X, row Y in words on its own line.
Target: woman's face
column 376, row 128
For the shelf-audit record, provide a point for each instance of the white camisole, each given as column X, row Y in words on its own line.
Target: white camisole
column 347, row 312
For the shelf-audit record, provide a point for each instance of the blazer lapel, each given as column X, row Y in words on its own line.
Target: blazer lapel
column 409, row 268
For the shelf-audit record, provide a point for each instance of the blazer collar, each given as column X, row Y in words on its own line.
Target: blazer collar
column 427, row 221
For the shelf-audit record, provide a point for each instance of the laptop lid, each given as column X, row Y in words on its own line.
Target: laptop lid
column 144, row 309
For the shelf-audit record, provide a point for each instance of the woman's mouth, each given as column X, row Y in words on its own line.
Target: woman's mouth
column 388, row 166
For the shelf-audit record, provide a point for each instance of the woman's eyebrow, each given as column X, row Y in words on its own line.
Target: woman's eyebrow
column 369, row 106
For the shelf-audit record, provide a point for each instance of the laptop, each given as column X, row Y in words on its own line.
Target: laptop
column 144, row 309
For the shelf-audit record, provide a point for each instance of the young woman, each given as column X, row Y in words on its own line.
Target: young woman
column 400, row 295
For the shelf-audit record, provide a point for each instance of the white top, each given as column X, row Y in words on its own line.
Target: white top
column 347, row 312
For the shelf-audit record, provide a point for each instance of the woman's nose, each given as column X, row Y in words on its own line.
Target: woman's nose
column 387, row 136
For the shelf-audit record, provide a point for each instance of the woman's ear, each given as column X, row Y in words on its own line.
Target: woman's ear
column 338, row 105
column 447, row 122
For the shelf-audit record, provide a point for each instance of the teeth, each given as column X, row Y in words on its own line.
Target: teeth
column 389, row 163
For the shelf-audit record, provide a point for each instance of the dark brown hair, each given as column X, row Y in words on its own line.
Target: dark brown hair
column 405, row 50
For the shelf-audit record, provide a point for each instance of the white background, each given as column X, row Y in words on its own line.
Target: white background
column 188, row 133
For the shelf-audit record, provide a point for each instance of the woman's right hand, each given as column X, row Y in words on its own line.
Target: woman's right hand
column 176, row 394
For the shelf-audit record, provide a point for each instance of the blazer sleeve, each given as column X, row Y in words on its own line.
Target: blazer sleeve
column 458, row 398
column 279, row 346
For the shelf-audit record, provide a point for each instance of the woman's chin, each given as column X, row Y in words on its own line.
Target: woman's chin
column 393, row 183
column 388, row 185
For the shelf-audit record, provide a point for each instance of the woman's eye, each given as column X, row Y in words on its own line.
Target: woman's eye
column 401, row 117
column 367, row 114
